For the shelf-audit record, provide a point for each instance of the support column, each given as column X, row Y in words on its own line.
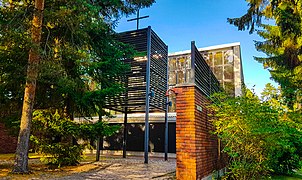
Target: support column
column 146, row 146
column 166, row 131
column 125, row 134
column 166, row 117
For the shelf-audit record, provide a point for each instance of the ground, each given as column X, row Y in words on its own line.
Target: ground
column 131, row 168
column 108, row 168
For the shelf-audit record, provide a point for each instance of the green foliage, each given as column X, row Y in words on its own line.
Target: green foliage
column 59, row 154
column 14, row 47
column 260, row 137
column 282, row 34
column 81, row 59
column 54, row 136
column 81, row 63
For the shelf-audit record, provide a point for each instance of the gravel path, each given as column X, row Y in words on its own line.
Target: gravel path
column 130, row 168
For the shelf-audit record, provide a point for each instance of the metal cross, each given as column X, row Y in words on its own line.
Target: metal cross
column 137, row 19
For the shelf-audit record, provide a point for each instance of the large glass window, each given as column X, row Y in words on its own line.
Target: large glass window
column 228, row 72
column 218, row 72
column 218, row 58
column 208, row 57
column 188, row 62
column 180, row 77
column 221, row 62
column 180, row 69
column 181, row 63
column 228, row 57
column 172, row 78
column 172, row 64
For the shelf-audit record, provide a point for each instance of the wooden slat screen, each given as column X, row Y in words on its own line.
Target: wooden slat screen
column 135, row 80
column 204, row 77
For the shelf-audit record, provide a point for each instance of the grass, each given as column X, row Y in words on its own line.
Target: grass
column 6, row 157
column 296, row 176
column 40, row 170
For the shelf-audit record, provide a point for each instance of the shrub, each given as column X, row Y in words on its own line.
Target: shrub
column 54, row 136
column 260, row 137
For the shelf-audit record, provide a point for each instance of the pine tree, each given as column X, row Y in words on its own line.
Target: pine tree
column 76, row 59
column 21, row 161
column 279, row 24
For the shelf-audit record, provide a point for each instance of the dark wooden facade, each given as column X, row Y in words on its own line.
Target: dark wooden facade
column 149, row 64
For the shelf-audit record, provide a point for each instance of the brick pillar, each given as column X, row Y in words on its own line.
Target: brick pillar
column 196, row 147
column 185, row 134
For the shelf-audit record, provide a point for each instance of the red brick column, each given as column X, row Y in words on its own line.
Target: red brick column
column 185, row 134
column 196, row 148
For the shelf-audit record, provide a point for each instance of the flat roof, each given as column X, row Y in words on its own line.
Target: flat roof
column 221, row 46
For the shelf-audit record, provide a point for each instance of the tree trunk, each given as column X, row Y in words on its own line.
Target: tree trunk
column 21, row 161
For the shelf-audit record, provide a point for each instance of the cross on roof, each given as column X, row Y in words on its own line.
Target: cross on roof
column 137, row 19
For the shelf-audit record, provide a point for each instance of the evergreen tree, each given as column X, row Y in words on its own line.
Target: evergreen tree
column 279, row 24
column 21, row 161
column 79, row 57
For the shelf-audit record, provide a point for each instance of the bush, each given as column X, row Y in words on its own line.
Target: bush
column 260, row 137
column 59, row 154
column 55, row 137
column 288, row 158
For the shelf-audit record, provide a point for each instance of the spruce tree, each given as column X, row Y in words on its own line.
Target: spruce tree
column 278, row 22
column 78, row 58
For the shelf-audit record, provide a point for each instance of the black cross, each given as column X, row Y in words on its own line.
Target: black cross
column 137, row 19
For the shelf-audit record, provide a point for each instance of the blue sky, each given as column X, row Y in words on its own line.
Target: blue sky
column 179, row 22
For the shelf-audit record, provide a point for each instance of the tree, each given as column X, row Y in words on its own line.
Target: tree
column 80, row 58
column 260, row 136
column 21, row 161
column 15, row 41
column 279, row 24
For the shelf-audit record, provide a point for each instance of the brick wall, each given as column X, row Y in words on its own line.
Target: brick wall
column 8, row 143
column 196, row 148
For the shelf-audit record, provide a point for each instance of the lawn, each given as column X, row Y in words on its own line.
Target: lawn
column 42, row 171
column 296, row 176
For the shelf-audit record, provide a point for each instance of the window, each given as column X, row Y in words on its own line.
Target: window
column 228, row 57
column 218, row 72
column 228, row 72
column 218, row 58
